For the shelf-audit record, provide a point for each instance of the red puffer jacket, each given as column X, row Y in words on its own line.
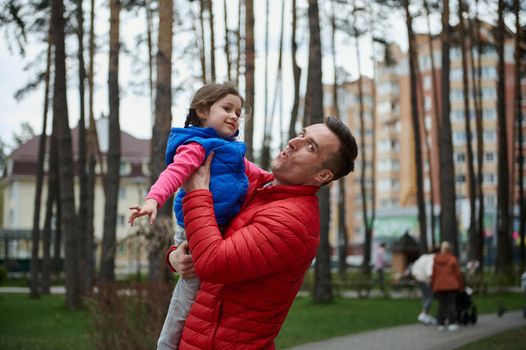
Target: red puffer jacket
column 250, row 276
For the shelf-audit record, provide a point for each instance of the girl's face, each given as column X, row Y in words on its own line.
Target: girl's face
column 223, row 116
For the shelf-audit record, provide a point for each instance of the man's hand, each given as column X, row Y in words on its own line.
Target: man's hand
column 200, row 179
column 181, row 261
column 148, row 208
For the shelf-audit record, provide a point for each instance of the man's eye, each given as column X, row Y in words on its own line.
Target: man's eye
column 310, row 147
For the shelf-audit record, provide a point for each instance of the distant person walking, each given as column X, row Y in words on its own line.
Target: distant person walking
column 446, row 282
column 379, row 266
column 422, row 270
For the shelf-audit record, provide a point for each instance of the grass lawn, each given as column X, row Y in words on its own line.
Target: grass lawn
column 504, row 341
column 45, row 324
column 41, row 324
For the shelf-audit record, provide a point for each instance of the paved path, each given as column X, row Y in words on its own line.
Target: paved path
column 21, row 290
column 420, row 337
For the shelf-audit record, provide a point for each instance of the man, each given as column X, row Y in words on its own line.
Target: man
column 251, row 274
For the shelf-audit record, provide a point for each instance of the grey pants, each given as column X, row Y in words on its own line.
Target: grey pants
column 182, row 299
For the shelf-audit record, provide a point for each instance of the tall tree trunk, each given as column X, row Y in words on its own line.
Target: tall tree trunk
column 436, row 112
column 427, row 137
column 343, row 240
column 161, row 129
column 92, row 147
column 65, row 158
column 249, row 76
column 296, row 71
column 520, row 136
column 212, row 41
column 35, row 232
column 477, row 251
column 109, row 241
column 227, row 44
column 504, row 265
column 416, row 131
column 85, row 283
column 267, row 127
column 472, row 231
column 202, row 51
column 238, row 40
column 149, row 30
column 52, row 197
column 448, row 218
column 57, row 241
column 314, row 114
column 367, row 224
column 480, row 145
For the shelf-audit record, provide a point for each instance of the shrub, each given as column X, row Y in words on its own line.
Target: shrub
column 128, row 316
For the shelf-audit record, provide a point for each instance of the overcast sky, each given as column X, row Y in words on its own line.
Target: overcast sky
column 135, row 116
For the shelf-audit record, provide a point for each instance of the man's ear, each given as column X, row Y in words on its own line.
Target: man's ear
column 202, row 113
column 324, row 176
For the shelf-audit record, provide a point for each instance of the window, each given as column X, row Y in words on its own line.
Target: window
column 489, row 136
column 489, row 114
column 122, row 192
column 459, row 137
column 461, row 178
column 455, row 74
column 121, row 220
column 125, row 168
column 489, row 93
column 427, row 122
column 428, row 81
column 489, row 179
column 489, row 72
column 456, row 95
column 427, row 103
column 489, row 157
column 460, row 157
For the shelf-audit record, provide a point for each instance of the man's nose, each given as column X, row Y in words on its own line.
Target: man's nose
column 293, row 143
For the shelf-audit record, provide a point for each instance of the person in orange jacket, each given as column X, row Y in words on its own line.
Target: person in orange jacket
column 446, row 282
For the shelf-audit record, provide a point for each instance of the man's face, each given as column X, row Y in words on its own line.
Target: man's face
column 301, row 162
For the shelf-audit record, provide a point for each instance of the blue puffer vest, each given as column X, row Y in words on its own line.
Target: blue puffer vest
column 228, row 181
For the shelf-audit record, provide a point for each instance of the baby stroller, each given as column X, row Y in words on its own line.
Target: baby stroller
column 466, row 310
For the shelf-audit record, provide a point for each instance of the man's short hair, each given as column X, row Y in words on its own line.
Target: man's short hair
column 341, row 163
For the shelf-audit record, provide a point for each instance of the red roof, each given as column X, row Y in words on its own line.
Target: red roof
column 131, row 148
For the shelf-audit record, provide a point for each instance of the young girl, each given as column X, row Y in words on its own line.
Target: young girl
column 211, row 125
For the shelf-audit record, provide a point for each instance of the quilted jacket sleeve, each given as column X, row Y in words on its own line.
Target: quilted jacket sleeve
column 277, row 239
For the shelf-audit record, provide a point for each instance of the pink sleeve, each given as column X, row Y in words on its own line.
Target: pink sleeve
column 252, row 170
column 188, row 158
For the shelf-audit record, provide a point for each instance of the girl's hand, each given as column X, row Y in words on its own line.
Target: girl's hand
column 148, row 208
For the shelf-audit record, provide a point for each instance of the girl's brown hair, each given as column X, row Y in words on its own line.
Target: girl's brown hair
column 205, row 97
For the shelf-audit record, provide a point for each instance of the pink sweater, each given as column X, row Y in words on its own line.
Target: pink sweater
column 187, row 159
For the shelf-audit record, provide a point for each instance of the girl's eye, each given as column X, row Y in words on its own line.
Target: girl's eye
column 310, row 147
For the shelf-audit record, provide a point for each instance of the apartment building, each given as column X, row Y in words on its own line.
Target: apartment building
column 394, row 141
